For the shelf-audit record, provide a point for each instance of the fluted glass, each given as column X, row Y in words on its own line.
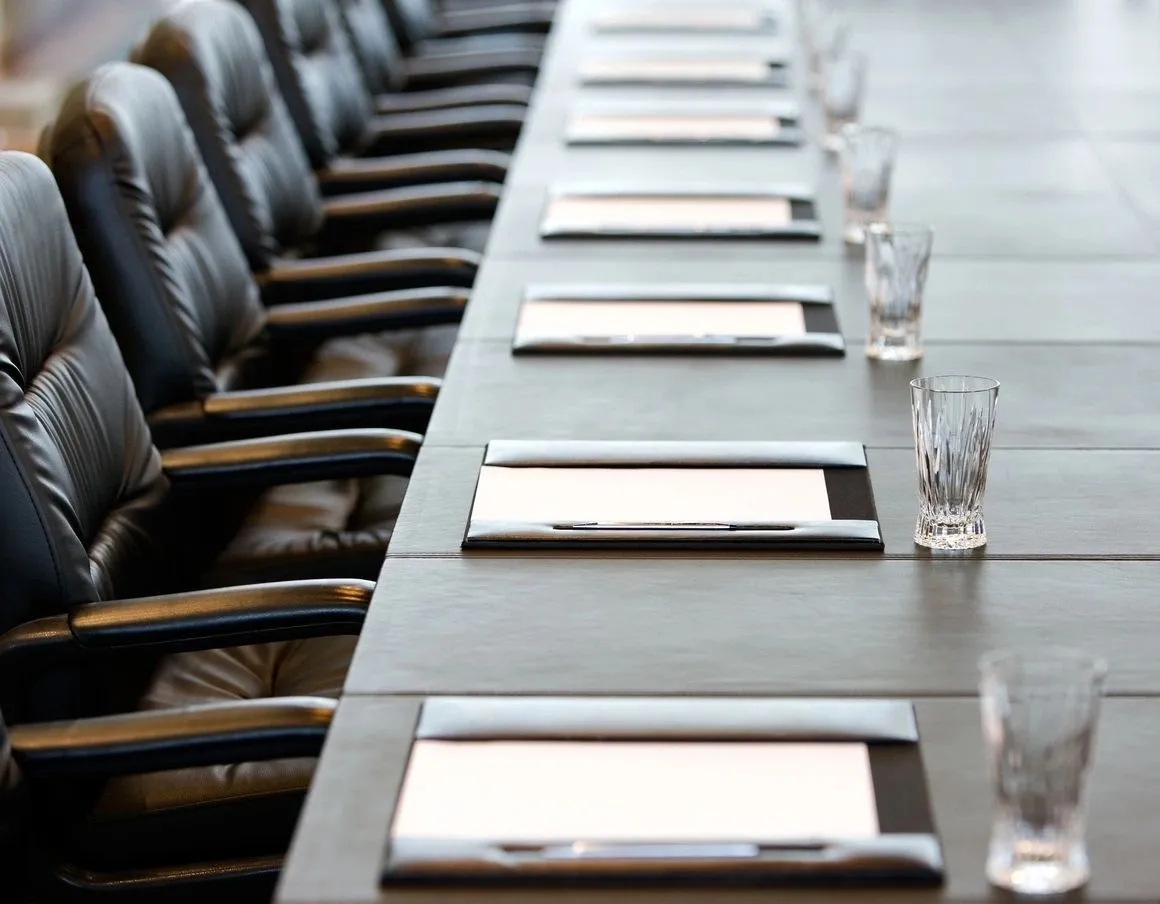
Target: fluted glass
column 1040, row 709
column 897, row 259
column 953, row 417
column 845, row 85
column 867, row 157
column 827, row 40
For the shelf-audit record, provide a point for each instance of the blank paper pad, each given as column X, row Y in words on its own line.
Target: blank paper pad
column 587, row 212
column 707, row 70
column 561, row 792
column 562, row 319
column 692, row 127
column 729, row 495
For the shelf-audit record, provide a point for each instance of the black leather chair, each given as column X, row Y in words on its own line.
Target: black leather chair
column 209, row 360
column 337, row 116
column 101, row 539
column 424, row 28
column 389, row 74
column 45, row 760
column 212, row 54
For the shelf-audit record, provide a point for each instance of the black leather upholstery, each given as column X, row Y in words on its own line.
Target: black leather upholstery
column 330, row 102
column 177, row 289
column 423, row 27
column 213, row 55
column 385, row 67
column 90, row 515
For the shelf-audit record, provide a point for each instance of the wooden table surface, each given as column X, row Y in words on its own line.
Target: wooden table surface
column 1031, row 142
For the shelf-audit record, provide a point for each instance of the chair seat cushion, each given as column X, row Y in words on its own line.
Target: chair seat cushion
column 246, row 809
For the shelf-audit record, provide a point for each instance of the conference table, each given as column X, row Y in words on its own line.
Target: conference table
column 1031, row 142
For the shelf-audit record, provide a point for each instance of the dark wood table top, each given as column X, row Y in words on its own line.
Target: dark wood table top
column 1031, row 142
column 340, row 845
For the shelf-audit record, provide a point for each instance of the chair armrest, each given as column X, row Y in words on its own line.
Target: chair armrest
column 529, row 17
column 297, row 458
column 494, row 125
column 197, row 620
column 187, row 736
column 342, row 404
column 427, row 205
column 344, row 275
column 422, row 71
column 449, row 98
column 347, row 174
column 373, row 313
column 256, row 613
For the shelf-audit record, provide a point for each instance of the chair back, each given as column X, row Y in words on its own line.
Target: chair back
column 166, row 265
column 374, row 43
column 212, row 54
column 318, row 74
column 413, row 20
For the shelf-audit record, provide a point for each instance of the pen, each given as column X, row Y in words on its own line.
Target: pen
column 673, row 525
column 681, row 339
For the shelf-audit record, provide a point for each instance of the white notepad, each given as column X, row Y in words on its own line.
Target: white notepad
column 561, row 319
column 670, row 127
column 668, row 792
column 732, row 17
column 650, row 495
column 676, row 70
column 692, row 213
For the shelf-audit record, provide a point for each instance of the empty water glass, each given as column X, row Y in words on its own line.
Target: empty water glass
column 1040, row 709
column 953, row 418
column 845, row 82
column 868, row 154
column 828, row 35
column 897, row 259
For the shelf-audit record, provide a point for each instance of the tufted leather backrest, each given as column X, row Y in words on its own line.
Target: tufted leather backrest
column 174, row 282
column 374, row 44
column 318, row 73
column 80, row 482
column 212, row 54
column 413, row 20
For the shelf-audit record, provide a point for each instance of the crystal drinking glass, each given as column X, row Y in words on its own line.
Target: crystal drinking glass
column 828, row 35
column 953, row 417
column 1040, row 709
column 845, row 83
column 897, row 259
column 867, row 164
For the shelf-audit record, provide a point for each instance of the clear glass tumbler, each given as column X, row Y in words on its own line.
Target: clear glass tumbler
column 867, row 157
column 954, row 417
column 845, row 84
column 1040, row 709
column 829, row 33
column 897, row 259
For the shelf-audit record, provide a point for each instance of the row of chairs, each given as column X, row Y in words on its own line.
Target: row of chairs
column 228, row 288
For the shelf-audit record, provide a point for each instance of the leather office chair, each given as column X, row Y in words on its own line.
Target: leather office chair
column 336, row 114
column 213, row 55
column 423, row 27
column 210, row 362
column 101, row 538
column 389, row 74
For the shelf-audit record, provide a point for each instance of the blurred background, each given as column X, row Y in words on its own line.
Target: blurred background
column 45, row 43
